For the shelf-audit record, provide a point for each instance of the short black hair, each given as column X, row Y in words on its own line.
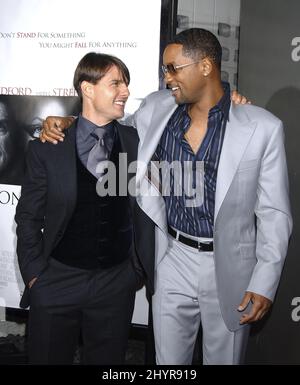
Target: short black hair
column 199, row 43
column 93, row 66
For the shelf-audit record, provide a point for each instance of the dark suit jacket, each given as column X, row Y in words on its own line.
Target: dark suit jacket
column 48, row 199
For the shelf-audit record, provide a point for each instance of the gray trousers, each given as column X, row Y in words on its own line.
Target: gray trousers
column 185, row 297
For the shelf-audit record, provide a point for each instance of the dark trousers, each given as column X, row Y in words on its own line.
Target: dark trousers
column 66, row 301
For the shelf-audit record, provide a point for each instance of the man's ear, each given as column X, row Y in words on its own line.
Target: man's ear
column 207, row 66
column 87, row 89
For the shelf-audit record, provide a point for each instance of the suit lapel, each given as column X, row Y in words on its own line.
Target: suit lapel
column 239, row 131
column 155, row 128
column 148, row 196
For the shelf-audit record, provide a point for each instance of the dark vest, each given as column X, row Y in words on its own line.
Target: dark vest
column 99, row 233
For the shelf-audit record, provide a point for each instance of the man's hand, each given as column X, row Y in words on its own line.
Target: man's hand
column 260, row 307
column 238, row 98
column 30, row 284
column 53, row 127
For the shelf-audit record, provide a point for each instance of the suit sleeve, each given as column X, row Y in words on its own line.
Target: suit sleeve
column 131, row 120
column 30, row 214
column 273, row 217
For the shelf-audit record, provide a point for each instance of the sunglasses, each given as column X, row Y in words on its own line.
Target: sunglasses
column 172, row 69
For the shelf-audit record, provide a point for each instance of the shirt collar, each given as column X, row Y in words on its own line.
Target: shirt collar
column 185, row 121
column 223, row 104
column 86, row 127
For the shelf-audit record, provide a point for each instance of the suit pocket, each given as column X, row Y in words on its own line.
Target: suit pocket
column 248, row 165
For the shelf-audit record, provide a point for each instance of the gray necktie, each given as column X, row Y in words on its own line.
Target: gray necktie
column 99, row 154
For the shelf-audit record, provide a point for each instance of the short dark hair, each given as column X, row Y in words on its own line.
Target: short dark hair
column 199, row 43
column 93, row 66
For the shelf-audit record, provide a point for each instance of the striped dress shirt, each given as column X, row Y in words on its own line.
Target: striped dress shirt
column 196, row 220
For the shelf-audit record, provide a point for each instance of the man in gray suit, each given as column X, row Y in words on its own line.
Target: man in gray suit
column 218, row 262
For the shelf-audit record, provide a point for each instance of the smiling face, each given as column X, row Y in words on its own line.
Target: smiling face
column 188, row 82
column 105, row 100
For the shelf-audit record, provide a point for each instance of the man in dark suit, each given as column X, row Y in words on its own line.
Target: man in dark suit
column 75, row 247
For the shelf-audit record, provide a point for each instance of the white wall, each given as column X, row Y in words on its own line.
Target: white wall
column 222, row 17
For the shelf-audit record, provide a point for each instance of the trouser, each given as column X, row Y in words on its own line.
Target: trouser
column 66, row 301
column 185, row 297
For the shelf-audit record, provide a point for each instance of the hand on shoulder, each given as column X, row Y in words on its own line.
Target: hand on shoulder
column 53, row 127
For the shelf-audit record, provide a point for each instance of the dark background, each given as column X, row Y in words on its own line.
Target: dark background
column 271, row 79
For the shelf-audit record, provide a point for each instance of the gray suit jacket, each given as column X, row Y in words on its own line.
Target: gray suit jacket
column 252, row 213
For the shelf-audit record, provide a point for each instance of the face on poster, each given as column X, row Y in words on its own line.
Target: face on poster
column 42, row 41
